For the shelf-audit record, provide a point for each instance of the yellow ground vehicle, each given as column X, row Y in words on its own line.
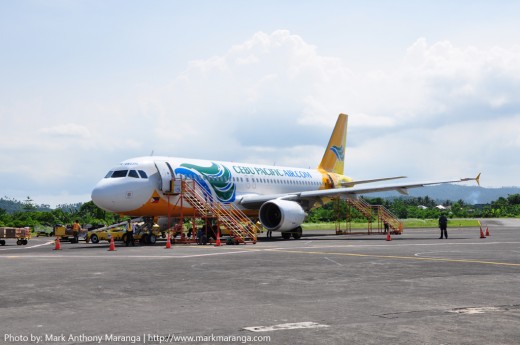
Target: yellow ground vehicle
column 105, row 235
column 119, row 234
column 66, row 233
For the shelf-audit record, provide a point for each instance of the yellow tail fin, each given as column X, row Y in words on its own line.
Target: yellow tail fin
column 334, row 157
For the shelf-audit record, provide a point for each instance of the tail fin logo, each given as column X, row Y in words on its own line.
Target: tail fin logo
column 339, row 151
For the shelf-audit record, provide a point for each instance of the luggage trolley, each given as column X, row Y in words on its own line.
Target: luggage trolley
column 22, row 235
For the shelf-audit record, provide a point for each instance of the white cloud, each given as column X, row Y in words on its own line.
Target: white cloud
column 275, row 95
column 71, row 130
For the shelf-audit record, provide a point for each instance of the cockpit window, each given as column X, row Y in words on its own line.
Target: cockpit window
column 119, row 173
column 143, row 174
column 109, row 174
column 133, row 173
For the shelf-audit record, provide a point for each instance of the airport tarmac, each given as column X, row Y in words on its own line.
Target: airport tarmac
column 322, row 289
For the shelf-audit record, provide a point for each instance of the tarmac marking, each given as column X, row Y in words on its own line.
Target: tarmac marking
column 116, row 256
column 334, row 261
column 28, row 247
column 401, row 257
column 285, row 326
column 401, row 245
column 475, row 310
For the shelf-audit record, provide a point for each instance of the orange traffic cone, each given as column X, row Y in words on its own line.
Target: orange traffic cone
column 168, row 242
column 57, row 243
column 487, row 231
column 388, row 238
column 482, row 233
column 217, row 244
column 112, row 246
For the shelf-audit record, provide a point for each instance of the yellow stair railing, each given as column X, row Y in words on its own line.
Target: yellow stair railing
column 233, row 219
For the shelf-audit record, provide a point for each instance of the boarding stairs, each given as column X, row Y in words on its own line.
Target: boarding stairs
column 364, row 207
column 384, row 215
column 372, row 212
column 241, row 228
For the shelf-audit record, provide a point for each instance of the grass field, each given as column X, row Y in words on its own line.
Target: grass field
column 407, row 224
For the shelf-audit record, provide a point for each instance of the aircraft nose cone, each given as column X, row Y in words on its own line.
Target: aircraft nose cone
column 102, row 198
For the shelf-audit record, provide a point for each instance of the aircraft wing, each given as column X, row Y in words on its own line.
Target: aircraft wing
column 353, row 183
column 254, row 201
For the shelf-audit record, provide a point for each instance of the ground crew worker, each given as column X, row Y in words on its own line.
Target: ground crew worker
column 75, row 230
column 201, row 236
column 443, row 225
column 130, row 234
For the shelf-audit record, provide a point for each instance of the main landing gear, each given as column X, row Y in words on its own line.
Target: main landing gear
column 296, row 233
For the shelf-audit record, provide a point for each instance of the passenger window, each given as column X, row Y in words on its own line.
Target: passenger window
column 109, row 174
column 143, row 174
column 133, row 174
column 119, row 173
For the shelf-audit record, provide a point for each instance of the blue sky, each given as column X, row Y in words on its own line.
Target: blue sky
column 431, row 87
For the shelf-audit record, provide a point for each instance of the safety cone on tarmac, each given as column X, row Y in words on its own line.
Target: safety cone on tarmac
column 57, row 244
column 482, row 233
column 217, row 244
column 388, row 238
column 487, row 231
column 168, row 242
column 112, row 246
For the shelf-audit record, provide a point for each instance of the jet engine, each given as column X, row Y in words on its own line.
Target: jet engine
column 281, row 215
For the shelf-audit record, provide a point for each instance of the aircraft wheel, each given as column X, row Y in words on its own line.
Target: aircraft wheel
column 94, row 238
column 297, row 233
column 286, row 235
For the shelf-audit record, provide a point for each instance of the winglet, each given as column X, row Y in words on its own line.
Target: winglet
column 472, row 178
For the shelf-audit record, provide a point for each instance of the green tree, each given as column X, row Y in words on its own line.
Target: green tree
column 514, row 199
column 28, row 205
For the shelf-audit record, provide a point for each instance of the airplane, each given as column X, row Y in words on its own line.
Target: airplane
column 279, row 197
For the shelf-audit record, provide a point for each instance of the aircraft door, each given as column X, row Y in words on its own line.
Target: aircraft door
column 166, row 172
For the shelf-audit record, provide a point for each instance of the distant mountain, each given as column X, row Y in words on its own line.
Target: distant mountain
column 469, row 194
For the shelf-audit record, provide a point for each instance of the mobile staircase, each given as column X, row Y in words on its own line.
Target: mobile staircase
column 371, row 213
column 240, row 227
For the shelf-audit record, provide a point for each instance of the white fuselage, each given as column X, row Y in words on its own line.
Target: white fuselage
column 137, row 186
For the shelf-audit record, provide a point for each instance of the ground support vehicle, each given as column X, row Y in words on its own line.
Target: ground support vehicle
column 45, row 232
column 65, row 233
column 22, row 235
column 95, row 236
column 118, row 233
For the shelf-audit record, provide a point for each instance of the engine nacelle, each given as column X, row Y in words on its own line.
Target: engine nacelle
column 281, row 215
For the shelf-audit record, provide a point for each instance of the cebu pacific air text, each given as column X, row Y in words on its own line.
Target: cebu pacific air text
column 270, row 171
